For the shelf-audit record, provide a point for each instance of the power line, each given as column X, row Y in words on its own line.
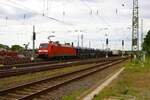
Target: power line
column 15, row 7
column 85, row 4
column 22, row 6
column 36, row 12
column 101, row 17
column 97, row 13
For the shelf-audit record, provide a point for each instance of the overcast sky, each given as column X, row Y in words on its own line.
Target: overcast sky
column 68, row 19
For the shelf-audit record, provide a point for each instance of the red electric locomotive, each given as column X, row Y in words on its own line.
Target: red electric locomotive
column 54, row 49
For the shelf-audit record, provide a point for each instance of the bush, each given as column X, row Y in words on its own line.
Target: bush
column 146, row 44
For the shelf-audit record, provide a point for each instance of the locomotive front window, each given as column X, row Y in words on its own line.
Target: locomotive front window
column 43, row 46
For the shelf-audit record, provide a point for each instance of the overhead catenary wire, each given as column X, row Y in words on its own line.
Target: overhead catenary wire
column 101, row 17
column 9, row 5
column 42, row 14
column 91, row 12
column 34, row 11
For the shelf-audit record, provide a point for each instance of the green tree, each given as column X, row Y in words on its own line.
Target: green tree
column 17, row 48
column 146, row 44
column 4, row 46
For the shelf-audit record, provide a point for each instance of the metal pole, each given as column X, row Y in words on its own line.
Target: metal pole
column 142, row 40
column 106, row 47
column 78, row 41
column 63, row 15
column 102, row 46
column 47, row 7
column 43, row 7
column 6, row 20
column 122, row 48
column 89, row 44
column 141, row 33
column 82, row 40
column 33, row 40
column 24, row 18
column 135, row 30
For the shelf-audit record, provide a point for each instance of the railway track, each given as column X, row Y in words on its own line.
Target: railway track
column 38, row 68
column 35, row 89
column 5, row 67
column 35, row 64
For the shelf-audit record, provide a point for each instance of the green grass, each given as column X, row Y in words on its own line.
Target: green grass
column 74, row 95
column 133, row 83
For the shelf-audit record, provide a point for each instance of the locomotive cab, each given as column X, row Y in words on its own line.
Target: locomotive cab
column 43, row 50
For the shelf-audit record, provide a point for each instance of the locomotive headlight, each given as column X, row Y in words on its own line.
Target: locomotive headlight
column 43, row 50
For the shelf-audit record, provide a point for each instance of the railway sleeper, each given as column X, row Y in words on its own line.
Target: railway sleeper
column 22, row 92
column 44, row 97
column 6, row 98
column 13, row 95
column 27, row 90
column 41, row 85
column 47, row 86
column 35, row 89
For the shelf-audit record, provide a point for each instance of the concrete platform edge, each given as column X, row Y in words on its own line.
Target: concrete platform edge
column 108, row 80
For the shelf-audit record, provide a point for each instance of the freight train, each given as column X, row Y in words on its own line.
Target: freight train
column 56, row 50
column 8, row 57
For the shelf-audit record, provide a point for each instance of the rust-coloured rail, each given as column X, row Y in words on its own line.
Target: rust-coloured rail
column 31, row 90
column 38, row 68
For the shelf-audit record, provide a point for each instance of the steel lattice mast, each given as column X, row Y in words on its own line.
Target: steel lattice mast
column 135, row 28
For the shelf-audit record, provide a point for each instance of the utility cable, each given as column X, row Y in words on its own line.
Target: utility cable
column 36, row 12
column 100, row 17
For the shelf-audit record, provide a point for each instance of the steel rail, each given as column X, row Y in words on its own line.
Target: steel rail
column 31, row 69
column 98, row 67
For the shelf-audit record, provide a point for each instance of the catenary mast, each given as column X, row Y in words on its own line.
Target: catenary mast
column 135, row 29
